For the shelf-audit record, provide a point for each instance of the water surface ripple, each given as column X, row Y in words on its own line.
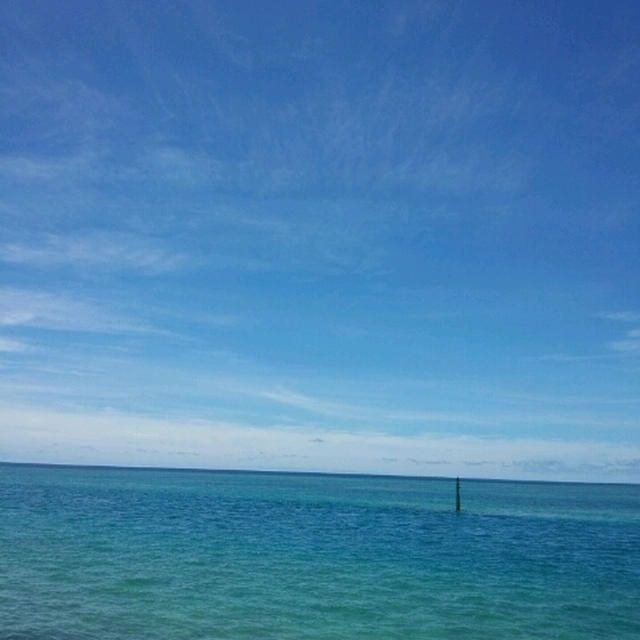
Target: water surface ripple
column 123, row 554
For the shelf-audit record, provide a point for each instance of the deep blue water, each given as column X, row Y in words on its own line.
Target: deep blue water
column 128, row 554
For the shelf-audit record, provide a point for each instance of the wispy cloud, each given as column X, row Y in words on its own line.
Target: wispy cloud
column 32, row 308
column 63, row 111
column 629, row 345
column 355, row 143
column 621, row 316
column 9, row 345
column 568, row 357
column 176, row 166
column 375, row 135
column 291, row 398
column 35, row 168
column 347, row 411
column 115, row 438
column 469, row 419
column 104, row 250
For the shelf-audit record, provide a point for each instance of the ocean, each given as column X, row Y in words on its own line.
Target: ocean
column 128, row 554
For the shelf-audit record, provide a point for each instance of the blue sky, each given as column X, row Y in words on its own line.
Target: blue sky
column 390, row 237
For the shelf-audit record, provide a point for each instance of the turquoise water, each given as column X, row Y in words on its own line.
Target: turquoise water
column 90, row 553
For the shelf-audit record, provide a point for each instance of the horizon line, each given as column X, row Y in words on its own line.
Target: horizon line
column 346, row 474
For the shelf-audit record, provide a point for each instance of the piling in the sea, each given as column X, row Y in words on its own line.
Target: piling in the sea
column 458, row 494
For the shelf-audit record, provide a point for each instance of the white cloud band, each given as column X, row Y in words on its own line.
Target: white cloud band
column 39, row 435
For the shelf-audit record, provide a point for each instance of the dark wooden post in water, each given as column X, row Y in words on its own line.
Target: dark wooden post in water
column 457, row 494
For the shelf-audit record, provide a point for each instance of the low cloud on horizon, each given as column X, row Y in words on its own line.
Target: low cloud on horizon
column 115, row 438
